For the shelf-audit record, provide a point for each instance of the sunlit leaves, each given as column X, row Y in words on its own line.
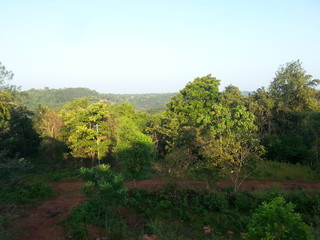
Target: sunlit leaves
column 87, row 128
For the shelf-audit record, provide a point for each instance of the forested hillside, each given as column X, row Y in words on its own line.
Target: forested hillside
column 56, row 98
column 204, row 134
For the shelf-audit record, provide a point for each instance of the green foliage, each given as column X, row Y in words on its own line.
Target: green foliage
column 215, row 127
column 233, row 145
column 277, row 220
column 48, row 125
column 19, row 137
column 282, row 172
column 179, row 162
column 6, row 95
column 293, row 89
column 25, row 193
column 261, row 104
column 103, row 186
column 86, row 129
column 134, row 149
column 197, row 100
column 56, row 98
column 288, row 148
column 105, row 192
column 78, row 222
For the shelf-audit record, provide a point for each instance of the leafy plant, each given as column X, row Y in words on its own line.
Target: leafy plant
column 277, row 220
column 104, row 187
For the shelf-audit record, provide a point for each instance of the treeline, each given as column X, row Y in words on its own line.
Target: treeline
column 203, row 130
column 57, row 98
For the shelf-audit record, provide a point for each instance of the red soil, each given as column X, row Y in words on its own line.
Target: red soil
column 43, row 221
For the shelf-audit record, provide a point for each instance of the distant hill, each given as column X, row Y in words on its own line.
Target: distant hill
column 56, row 98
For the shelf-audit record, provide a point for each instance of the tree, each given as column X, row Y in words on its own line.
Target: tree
column 293, row 89
column 48, row 124
column 87, row 128
column 196, row 102
column 277, row 220
column 189, row 113
column 213, row 126
column 134, row 149
column 6, row 95
column 233, row 146
column 19, row 136
column 294, row 97
column 232, row 96
column 261, row 104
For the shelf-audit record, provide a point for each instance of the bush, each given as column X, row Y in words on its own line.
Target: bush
column 244, row 201
column 25, row 193
column 215, row 201
column 104, row 188
column 277, row 220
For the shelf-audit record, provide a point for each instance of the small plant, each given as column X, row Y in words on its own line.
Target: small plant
column 277, row 220
column 104, row 187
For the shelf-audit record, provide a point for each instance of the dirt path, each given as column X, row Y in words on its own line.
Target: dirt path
column 42, row 222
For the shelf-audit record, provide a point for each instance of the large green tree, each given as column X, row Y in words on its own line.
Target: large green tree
column 134, row 149
column 261, row 104
column 191, row 111
column 214, row 126
column 286, row 110
column 233, row 145
column 6, row 96
column 87, row 129
column 19, row 137
column 293, row 89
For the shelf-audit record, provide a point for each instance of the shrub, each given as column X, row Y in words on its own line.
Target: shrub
column 215, row 201
column 104, row 187
column 277, row 220
column 25, row 193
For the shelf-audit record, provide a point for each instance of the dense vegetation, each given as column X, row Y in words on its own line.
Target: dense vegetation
column 202, row 134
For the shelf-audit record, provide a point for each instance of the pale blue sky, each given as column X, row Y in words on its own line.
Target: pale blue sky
column 146, row 46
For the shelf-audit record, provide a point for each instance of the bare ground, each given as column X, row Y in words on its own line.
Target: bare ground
column 42, row 221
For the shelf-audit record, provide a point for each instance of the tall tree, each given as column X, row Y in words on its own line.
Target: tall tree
column 261, row 104
column 293, row 89
column 6, row 96
column 19, row 137
column 196, row 102
column 134, row 149
column 233, row 146
column 214, row 126
column 295, row 97
column 48, row 124
column 192, row 110
column 87, row 129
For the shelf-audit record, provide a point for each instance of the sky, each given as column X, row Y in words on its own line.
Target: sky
column 155, row 46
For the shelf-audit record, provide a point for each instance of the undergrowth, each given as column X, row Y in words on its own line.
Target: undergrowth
column 173, row 213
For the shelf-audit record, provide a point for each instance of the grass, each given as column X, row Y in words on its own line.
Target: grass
column 284, row 172
column 54, row 176
column 25, row 193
